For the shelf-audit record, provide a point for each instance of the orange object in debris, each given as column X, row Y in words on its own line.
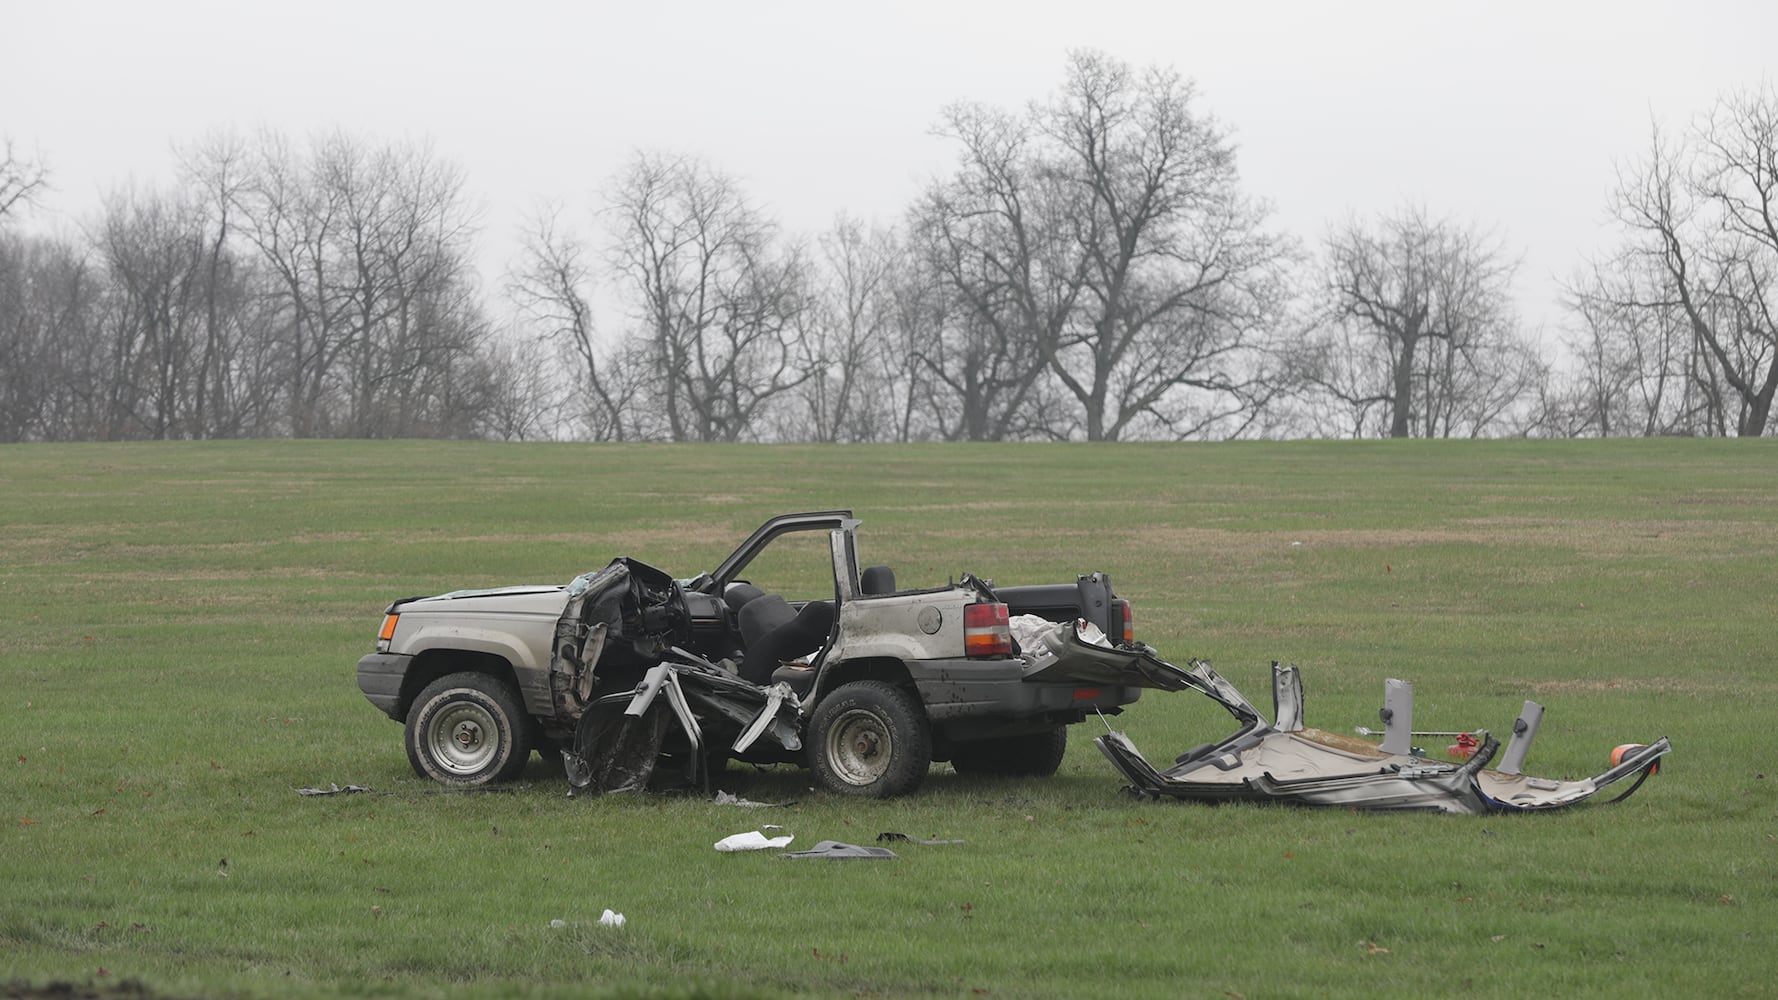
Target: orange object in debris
column 1464, row 748
column 1619, row 752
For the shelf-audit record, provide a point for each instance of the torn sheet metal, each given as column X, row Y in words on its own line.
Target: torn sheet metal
column 674, row 725
column 833, row 850
column 1266, row 763
column 1078, row 653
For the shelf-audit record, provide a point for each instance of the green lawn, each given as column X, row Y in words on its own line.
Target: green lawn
column 179, row 625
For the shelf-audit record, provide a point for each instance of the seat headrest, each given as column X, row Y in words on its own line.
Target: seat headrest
column 739, row 595
column 877, row 580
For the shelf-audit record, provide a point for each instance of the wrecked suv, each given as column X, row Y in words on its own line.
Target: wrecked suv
column 786, row 652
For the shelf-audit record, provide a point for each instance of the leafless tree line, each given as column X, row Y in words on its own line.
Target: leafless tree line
column 1677, row 330
column 1088, row 268
column 276, row 291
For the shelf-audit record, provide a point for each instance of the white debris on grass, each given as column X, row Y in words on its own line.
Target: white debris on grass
column 725, row 799
column 610, row 918
column 753, row 840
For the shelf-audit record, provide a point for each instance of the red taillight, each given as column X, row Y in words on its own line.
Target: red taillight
column 1129, row 623
column 985, row 630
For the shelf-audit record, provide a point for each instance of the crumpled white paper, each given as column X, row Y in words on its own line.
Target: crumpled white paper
column 1029, row 631
column 753, row 840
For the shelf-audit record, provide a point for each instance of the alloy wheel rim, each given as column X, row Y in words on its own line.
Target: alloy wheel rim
column 464, row 738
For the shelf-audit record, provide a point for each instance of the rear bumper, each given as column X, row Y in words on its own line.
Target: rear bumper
column 379, row 677
column 961, row 689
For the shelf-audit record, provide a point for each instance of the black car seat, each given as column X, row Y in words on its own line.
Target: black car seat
column 775, row 633
column 739, row 594
column 877, row 580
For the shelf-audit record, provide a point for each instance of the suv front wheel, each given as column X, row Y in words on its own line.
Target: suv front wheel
column 467, row 729
column 870, row 738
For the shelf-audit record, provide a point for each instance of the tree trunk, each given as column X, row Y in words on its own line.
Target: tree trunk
column 1401, row 409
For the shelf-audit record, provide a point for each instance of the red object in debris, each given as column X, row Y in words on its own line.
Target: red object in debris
column 1464, row 748
column 1623, row 749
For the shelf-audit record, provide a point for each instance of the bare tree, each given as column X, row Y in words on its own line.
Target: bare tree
column 1642, row 370
column 1003, row 286
column 719, row 299
column 846, row 397
column 55, row 309
column 916, row 311
column 20, row 180
column 1421, row 331
column 289, row 217
column 524, row 394
column 1104, row 235
column 214, row 169
column 415, row 315
column 153, row 246
column 1180, row 278
column 552, row 286
column 1700, row 221
column 366, row 249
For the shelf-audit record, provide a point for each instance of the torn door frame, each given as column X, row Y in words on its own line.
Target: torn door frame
column 1288, row 762
column 683, row 711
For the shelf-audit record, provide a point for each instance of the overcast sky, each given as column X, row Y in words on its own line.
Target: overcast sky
column 1508, row 115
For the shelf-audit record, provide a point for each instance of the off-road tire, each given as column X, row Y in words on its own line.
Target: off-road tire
column 1031, row 755
column 870, row 738
column 467, row 729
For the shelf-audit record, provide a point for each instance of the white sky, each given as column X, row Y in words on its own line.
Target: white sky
column 1508, row 114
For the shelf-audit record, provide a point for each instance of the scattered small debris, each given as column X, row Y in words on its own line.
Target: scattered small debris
column 332, row 789
column 725, row 799
column 891, row 837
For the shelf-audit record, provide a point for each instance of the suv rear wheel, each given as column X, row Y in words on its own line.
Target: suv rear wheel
column 468, row 729
column 870, row 738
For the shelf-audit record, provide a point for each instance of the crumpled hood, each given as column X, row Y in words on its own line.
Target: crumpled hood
column 536, row 599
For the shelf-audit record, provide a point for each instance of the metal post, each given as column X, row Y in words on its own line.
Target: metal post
column 1524, row 731
column 1287, row 698
column 1398, row 717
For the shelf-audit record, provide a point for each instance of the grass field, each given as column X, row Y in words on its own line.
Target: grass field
column 179, row 626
